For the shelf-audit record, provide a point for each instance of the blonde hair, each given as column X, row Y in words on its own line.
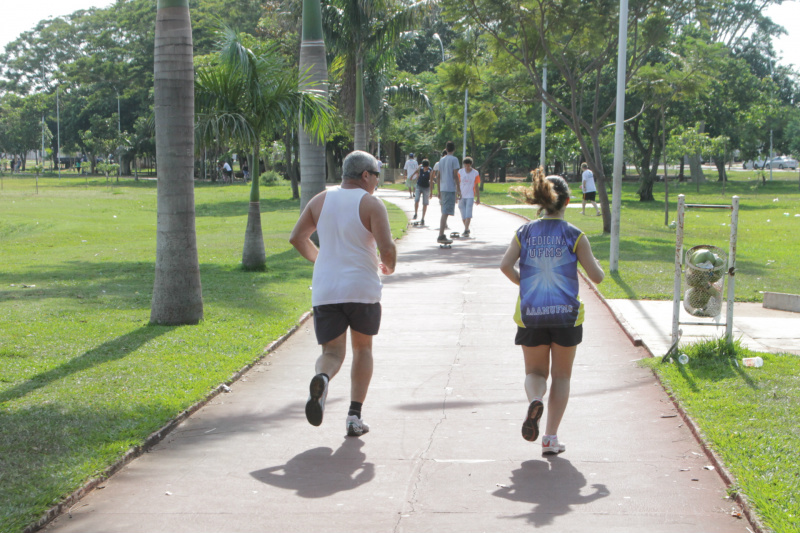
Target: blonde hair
column 549, row 193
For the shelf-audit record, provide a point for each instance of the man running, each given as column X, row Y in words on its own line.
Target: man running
column 346, row 288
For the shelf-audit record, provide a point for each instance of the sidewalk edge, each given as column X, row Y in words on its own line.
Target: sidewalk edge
column 66, row 505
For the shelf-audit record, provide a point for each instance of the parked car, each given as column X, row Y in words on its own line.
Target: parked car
column 780, row 162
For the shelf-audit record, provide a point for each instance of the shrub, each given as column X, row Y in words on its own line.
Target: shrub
column 270, row 177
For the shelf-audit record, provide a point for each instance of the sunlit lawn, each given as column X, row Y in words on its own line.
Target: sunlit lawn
column 83, row 377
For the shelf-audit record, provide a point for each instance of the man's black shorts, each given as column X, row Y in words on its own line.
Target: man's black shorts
column 590, row 196
column 332, row 320
column 565, row 337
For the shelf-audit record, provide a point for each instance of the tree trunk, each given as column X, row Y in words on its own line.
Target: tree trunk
column 177, row 292
column 694, row 162
column 313, row 61
column 330, row 161
column 254, row 256
column 360, row 138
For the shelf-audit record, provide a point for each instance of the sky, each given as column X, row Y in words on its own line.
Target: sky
column 23, row 15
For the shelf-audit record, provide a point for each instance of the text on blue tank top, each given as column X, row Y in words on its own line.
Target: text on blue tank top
column 549, row 274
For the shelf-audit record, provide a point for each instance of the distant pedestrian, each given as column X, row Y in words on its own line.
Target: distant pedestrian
column 469, row 181
column 435, row 173
column 411, row 170
column 423, row 190
column 549, row 311
column 346, row 289
column 245, row 169
column 226, row 171
column 448, row 185
column 589, row 189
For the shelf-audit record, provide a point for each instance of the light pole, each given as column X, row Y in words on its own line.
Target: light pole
column 58, row 130
column 619, row 136
column 544, row 119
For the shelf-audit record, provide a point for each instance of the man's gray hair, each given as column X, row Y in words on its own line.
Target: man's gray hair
column 356, row 163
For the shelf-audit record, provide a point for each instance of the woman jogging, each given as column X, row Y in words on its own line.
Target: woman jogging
column 549, row 312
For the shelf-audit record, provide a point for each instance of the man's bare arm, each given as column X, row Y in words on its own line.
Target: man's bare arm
column 382, row 232
column 306, row 225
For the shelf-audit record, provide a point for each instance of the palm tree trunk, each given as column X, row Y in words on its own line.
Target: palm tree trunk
column 314, row 64
column 254, row 256
column 177, row 293
column 360, row 139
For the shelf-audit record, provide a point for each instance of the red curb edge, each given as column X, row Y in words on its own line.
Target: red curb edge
column 66, row 505
column 727, row 477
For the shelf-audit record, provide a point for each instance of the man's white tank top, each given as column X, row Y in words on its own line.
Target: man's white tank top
column 346, row 269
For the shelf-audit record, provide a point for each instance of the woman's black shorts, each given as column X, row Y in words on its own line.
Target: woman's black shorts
column 566, row 337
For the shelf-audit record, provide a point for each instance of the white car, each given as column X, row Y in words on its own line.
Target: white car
column 779, row 162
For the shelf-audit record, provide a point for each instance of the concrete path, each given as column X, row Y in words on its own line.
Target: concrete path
column 760, row 329
column 445, row 407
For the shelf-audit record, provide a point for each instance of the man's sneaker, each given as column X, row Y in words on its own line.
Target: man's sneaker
column 315, row 406
column 356, row 426
column 422, row 222
column 530, row 427
column 466, row 233
column 551, row 446
column 415, row 217
column 443, row 240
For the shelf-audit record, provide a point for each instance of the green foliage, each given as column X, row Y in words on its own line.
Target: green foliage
column 270, row 178
column 748, row 416
column 83, row 377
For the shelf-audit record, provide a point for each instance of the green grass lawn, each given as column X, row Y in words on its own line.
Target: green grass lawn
column 83, row 377
column 767, row 251
column 749, row 416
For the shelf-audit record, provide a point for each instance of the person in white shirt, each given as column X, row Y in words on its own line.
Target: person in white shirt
column 589, row 189
column 469, row 192
column 411, row 169
column 345, row 286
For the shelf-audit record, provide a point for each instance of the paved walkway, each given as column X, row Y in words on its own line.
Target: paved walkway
column 445, row 408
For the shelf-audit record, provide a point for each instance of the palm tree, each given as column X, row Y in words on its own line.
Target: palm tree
column 249, row 95
column 177, row 292
column 313, row 64
column 361, row 30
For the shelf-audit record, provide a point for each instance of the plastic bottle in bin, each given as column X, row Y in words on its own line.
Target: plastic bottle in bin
column 756, row 362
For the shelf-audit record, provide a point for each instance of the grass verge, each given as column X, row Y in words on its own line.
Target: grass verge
column 748, row 416
column 769, row 216
column 83, row 376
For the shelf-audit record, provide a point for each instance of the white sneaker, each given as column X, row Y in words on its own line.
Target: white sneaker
column 551, row 446
column 356, row 426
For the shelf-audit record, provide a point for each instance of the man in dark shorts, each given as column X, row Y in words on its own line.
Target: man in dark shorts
column 589, row 189
column 346, row 287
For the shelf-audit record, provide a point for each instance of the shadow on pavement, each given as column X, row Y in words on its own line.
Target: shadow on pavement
column 321, row 472
column 553, row 487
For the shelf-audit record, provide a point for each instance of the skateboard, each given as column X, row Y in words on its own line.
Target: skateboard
column 446, row 244
column 418, row 223
column 455, row 235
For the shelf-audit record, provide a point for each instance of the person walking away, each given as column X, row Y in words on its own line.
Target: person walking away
column 469, row 180
column 448, row 184
column 410, row 170
column 245, row 169
column 589, row 189
column 346, row 288
column 435, row 173
column 549, row 312
column 423, row 189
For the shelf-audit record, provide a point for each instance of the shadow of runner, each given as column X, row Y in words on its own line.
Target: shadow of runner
column 108, row 351
column 321, row 472
column 553, row 486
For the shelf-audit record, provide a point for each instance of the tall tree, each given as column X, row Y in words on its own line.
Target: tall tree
column 363, row 34
column 177, row 292
column 314, row 65
column 248, row 95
